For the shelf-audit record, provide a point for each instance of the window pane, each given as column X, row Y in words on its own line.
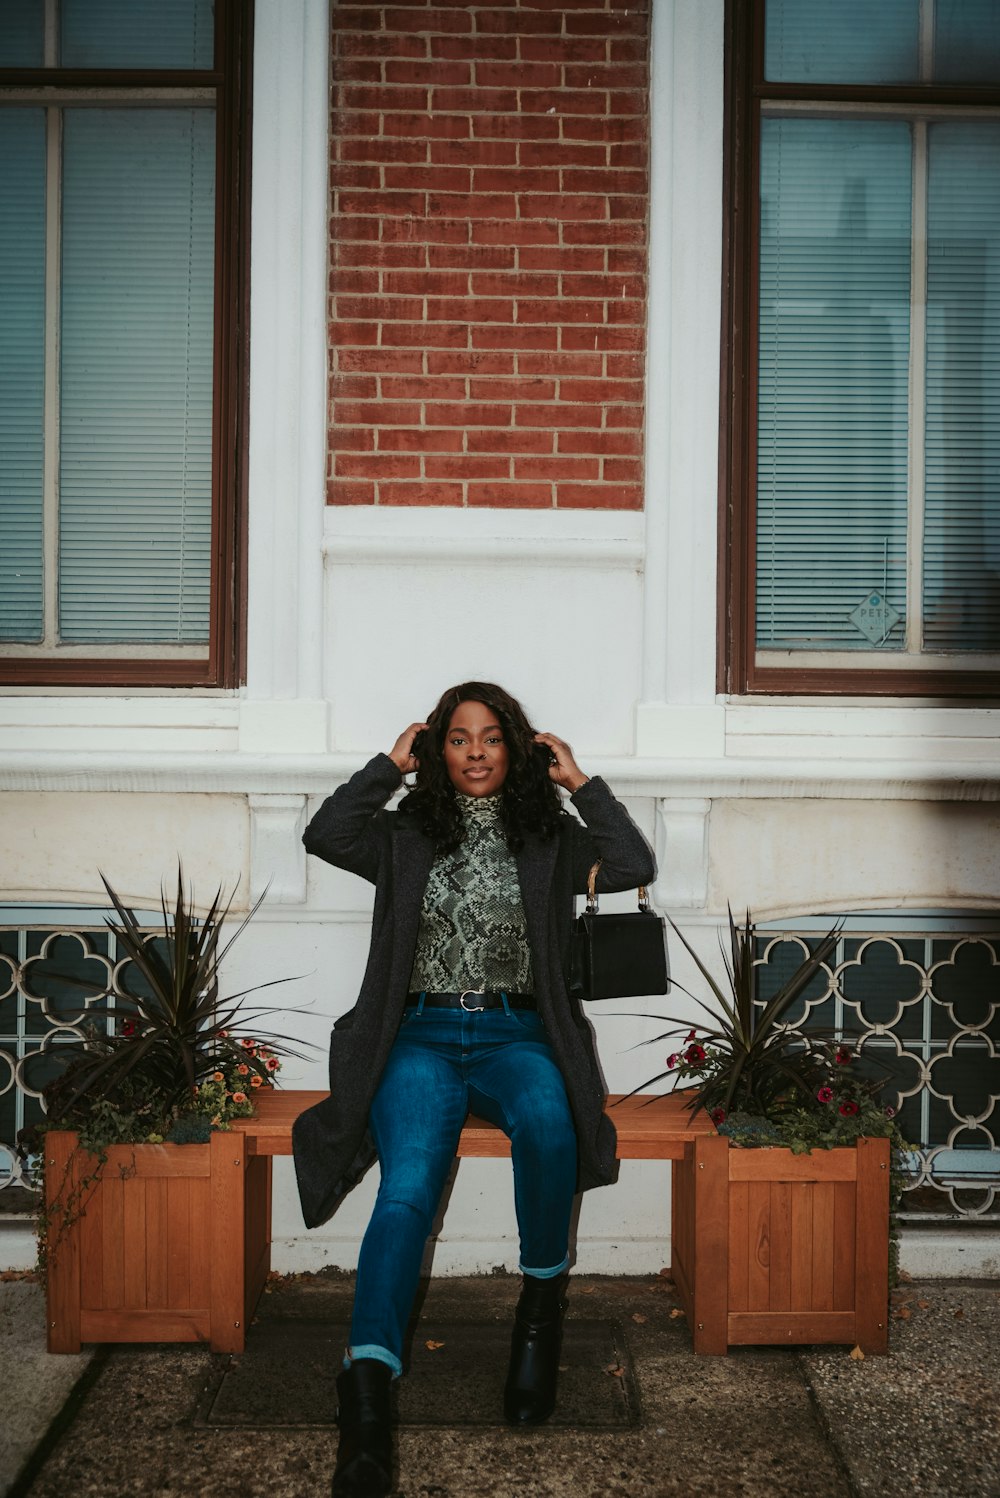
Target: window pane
column 22, row 33
column 842, row 41
column 137, row 34
column 962, row 522
column 137, row 329
column 832, row 388
column 22, row 370
column 966, row 41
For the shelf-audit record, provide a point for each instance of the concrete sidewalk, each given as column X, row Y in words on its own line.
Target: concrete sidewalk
column 638, row 1412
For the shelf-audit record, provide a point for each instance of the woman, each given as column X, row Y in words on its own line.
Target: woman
column 464, row 1007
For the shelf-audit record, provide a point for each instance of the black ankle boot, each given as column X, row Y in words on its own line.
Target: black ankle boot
column 529, row 1395
column 364, row 1456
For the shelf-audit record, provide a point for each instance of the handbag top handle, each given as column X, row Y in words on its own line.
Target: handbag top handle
column 592, row 891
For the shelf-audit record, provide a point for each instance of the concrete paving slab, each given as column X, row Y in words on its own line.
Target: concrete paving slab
column 926, row 1419
column 34, row 1387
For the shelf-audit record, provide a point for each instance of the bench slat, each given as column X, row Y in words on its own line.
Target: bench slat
column 649, row 1126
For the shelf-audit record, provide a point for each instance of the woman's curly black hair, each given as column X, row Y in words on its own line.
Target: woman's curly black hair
column 529, row 800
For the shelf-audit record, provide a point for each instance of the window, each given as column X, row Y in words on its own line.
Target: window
column 40, row 1011
column 915, row 995
column 123, row 141
column 861, row 463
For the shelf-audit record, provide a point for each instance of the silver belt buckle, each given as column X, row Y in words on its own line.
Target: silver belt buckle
column 475, row 1008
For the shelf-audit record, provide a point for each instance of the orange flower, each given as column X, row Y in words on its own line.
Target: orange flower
column 272, row 1063
column 243, row 1069
column 239, row 1097
column 218, row 1077
column 255, row 1081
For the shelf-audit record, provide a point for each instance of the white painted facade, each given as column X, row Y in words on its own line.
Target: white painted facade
column 603, row 623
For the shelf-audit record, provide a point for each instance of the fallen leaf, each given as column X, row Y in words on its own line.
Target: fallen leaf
column 924, row 1304
column 675, row 1313
column 433, row 1346
column 857, row 1354
column 959, row 1312
column 666, row 1274
column 585, row 1289
column 902, row 1313
column 616, row 1370
column 666, row 1287
column 639, row 1318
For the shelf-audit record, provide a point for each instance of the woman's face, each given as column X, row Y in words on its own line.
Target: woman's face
column 475, row 754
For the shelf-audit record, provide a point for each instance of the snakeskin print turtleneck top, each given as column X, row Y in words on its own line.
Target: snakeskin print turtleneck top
column 472, row 933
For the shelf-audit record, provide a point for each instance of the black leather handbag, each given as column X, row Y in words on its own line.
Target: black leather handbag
column 619, row 955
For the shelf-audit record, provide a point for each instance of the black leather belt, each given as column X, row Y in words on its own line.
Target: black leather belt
column 472, row 1000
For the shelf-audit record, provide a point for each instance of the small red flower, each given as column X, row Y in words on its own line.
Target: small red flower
column 848, row 1108
column 692, row 1035
column 843, row 1056
column 718, row 1115
column 272, row 1063
column 223, row 1034
column 694, row 1055
column 672, row 1060
column 129, row 1027
column 825, row 1095
column 890, row 1111
column 248, row 1045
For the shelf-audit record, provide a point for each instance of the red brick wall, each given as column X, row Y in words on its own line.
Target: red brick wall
column 488, row 253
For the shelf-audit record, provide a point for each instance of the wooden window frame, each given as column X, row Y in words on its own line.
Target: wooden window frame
column 224, row 664
column 745, row 91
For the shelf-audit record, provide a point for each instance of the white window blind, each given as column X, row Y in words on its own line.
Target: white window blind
column 136, row 34
column 962, row 520
column 966, row 41
column 22, row 371
column 22, row 33
column 842, row 41
column 832, row 380
column 136, row 375
column 882, row 41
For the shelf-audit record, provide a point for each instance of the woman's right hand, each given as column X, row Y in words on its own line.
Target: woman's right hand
column 401, row 752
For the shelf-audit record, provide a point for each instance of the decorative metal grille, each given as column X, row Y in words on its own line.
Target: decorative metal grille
column 923, row 1003
column 40, row 1011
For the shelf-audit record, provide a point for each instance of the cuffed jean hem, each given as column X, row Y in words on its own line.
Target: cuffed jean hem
column 377, row 1354
column 546, row 1274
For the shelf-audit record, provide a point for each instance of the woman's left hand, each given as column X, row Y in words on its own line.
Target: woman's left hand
column 564, row 769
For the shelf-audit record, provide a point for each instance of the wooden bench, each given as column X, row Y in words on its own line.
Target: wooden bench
column 765, row 1246
column 648, row 1127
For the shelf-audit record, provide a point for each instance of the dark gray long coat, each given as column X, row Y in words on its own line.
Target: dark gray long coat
column 353, row 831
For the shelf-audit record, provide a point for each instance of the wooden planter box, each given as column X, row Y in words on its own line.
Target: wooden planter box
column 774, row 1248
column 172, row 1243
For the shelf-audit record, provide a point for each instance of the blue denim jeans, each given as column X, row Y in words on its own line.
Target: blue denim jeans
column 444, row 1064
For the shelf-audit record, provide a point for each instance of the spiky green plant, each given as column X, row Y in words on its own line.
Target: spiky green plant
column 746, row 1058
column 176, row 1032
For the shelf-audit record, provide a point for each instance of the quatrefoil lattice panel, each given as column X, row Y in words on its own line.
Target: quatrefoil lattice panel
column 924, row 1009
column 41, row 1009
